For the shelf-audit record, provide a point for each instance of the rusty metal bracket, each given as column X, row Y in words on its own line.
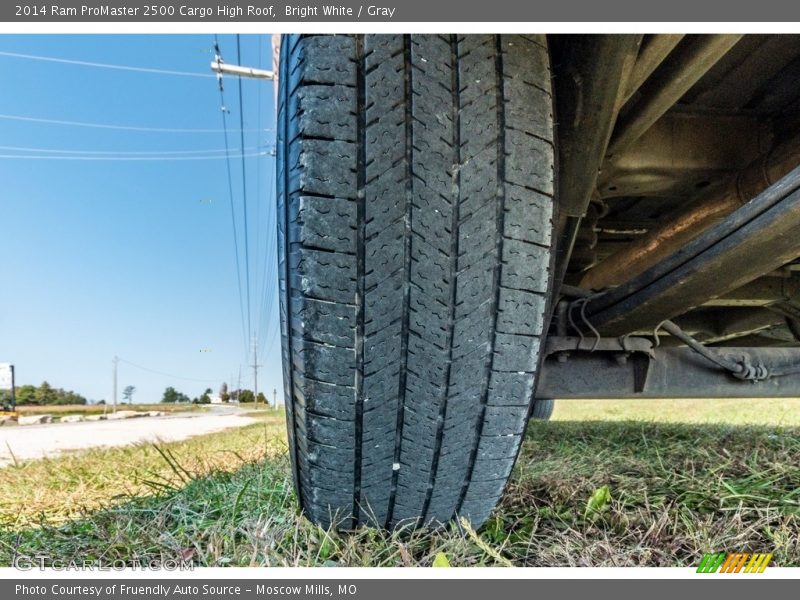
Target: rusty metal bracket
column 674, row 373
column 636, row 351
column 627, row 346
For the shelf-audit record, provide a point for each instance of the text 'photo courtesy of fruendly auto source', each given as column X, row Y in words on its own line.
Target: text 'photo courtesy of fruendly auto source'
column 469, row 293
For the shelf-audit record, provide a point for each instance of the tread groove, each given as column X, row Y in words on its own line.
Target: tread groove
column 404, row 331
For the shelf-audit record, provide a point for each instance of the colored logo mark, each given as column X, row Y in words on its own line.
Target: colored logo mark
column 737, row 562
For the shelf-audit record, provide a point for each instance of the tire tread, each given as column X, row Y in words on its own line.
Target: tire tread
column 416, row 207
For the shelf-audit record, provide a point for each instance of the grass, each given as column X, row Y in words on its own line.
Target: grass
column 99, row 409
column 731, row 411
column 586, row 491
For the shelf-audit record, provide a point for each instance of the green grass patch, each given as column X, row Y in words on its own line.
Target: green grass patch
column 590, row 492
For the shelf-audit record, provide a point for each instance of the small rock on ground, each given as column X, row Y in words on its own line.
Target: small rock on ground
column 35, row 419
column 125, row 414
column 71, row 419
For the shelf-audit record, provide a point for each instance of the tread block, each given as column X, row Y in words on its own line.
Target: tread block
column 326, row 223
column 325, row 59
column 498, row 447
column 322, row 362
column 503, row 420
column 325, row 322
column 324, row 275
column 529, row 161
column 324, row 168
column 320, row 113
column 528, row 215
column 510, row 388
column 525, row 266
column 520, row 312
column 515, row 352
column 326, row 398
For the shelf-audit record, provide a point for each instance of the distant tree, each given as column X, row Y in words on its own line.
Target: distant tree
column 45, row 394
column 223, row 393
column 246, row 396
column 101, row 402
column 171, row 396
column 262, row 397
column 26, row 394
column 66, row 397
column 128, row 393
column 205, row 397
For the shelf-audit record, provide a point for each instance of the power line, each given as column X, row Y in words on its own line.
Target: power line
column 110, row 126
column 244, row 187
column 275, row 330
column 127, row 362
column 269, row 272
column 270, row 264
column 120, row 152
column 123, row 158
column 84, row 63
column 258, row 283
column 224, row 110
column 265, row 325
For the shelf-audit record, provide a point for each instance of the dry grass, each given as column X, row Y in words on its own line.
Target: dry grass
column 583, row 493
column 99, row 409
column 731, row 411
column 74, row 484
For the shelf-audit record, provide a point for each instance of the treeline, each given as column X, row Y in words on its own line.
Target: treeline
column 247, row 396
column 41, row 395
column 173, row 396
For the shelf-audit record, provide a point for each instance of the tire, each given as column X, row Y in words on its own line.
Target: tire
column 415, row 201
column 542, row 409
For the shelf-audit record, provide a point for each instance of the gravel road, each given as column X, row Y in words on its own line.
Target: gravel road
column 39, row 441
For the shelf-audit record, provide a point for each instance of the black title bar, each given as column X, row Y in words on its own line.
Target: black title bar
column 411, row 11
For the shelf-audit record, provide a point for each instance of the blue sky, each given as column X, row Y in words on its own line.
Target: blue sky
column 133, row 258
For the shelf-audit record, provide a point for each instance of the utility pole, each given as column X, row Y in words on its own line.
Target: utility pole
column 274, row 398
column 239, row 388
column 255, row 366
column 116, row 362
column 13, row 391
